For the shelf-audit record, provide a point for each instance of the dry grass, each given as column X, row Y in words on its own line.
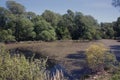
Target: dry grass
column 58, row 49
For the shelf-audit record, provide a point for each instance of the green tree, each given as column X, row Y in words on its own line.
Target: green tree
column 47, row 35
column 24, row 29
column 15, row 7
column 67, row 21
column 62, row 33
column 85, row 27
column 42, row 25
column 107, row 30
column 6, row 35
column 91, row 27
column 117, row 28
column 51, row 17
column 44, row 30
column 37, row 19
column 30, row 15
column 6, row 18
column 116, row 3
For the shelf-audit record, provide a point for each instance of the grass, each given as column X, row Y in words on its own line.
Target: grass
column 57, row 49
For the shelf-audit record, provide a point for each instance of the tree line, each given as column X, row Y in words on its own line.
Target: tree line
column 16, row 24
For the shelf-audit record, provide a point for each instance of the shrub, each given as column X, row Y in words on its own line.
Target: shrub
column 116, row 73
column 98, row 57
column 17, row 67
column 116, row 77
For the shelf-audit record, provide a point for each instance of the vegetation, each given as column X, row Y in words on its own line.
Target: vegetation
column 62, row 51
column 19, row 25
column 116, row 3
column 16, row 24
column 16, row 67
column 98, row 58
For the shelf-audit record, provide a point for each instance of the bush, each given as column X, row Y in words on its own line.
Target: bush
column 17, row 67
column 116, row 73
column 116, row 77
column 98, row 57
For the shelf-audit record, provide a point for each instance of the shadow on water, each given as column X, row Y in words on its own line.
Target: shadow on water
column 116, row 50
column 33, row 55
column 78, row 59
column 78, row 74
column 115, row 47
column 78, row 55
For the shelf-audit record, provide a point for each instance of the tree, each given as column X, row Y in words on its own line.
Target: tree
column 107, row 30
column 30, row 15
column 85, row 27
column 37, row 19
column 5, row 18
column 6, row 36
column 3, row 13
column 67, row 21
column 44, row 31
column 62, row 33
column 91, row 28
column 47, row 35
column 29, row 26
column 116, row 3
column 42, row 25
column 117, row 28
column 24, row 29
column 15, row 8
column 51, row 17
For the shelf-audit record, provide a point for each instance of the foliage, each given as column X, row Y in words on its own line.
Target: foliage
column 6, row 35
column 116, row 73
column 63, row 33
column 15, row 8
column 116, row 77
column 107, row 30
column 41, row 26
column 44, row 31
column 116, row 3
column 98, row 58
column 51, row 17
column 24, row 29
column 71, row 25
column 30, row 15
column 117, row 28
column 17, row 67
column 47, row 35
column 67, row 22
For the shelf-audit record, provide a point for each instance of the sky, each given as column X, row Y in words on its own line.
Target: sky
column 102, row 10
